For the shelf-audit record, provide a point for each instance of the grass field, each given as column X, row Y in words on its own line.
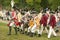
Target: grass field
column 4, row 36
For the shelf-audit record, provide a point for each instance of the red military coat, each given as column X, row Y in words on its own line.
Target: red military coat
column 44, row 20
column 52, row 21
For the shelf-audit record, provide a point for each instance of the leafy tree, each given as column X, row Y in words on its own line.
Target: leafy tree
column 55, row 4
column 44, row 3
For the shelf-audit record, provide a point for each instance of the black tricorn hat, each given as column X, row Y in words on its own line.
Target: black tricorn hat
column 52, row 12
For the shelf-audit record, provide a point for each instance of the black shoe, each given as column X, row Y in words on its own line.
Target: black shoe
column 39, row 35
column 28, row 33
column 46, row 33
column 15, row 34
column 25, row 32
column 17, row 29
column 22, row 32
column 35, row 34
column 57, row 31
column 31, row 35
column 9, row 34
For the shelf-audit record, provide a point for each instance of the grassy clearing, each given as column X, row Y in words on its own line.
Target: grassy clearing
column 4, row 36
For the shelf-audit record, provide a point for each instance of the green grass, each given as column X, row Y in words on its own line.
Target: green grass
column 4, row 36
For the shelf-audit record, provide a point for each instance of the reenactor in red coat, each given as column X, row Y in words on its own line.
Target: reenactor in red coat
column 13, row 22
column 44, row 22
column 52, row 24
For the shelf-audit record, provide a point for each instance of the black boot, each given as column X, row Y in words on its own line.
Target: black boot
column 9, row 30
column 39, row 35
column 15, row 28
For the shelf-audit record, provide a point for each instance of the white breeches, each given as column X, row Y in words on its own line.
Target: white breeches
column 12, row 24
column 21, row 27
column 41, row 30
column 34, row 28
column 51, row 31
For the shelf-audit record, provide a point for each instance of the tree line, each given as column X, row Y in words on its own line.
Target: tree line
column 36, row 4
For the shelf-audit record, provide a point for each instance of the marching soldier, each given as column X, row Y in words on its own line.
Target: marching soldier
column 35, row 26
column 31, row 23
column 13, row 22
column 52, row 24
column 19, row 17
column 44, row 21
